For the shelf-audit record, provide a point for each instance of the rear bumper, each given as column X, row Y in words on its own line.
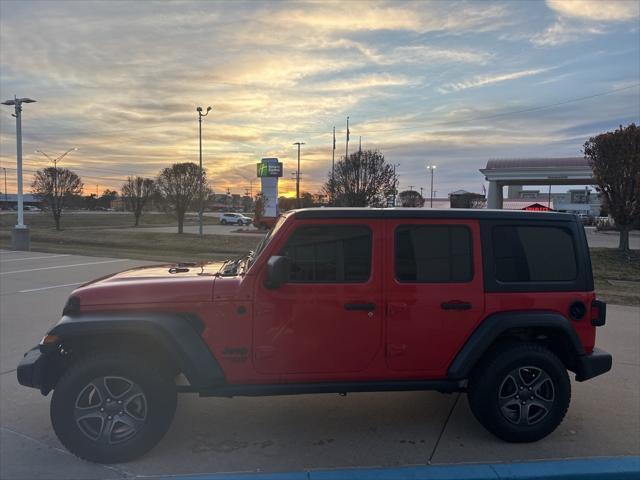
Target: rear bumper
column 32, row 370
column 589, row 366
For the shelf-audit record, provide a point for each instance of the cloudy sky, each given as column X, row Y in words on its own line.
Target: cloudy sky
column 445, row 83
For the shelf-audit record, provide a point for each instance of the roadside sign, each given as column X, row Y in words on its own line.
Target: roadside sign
column 269, row 169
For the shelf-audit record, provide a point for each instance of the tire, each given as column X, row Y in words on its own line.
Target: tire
column 520, row 392
column 138, row 416
column 223, row 222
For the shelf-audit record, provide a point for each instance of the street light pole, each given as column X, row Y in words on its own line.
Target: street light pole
column 432, row 168
column 5, row 186
column 20, row 234
column 298, row 175
column 333, row 168
column 201, row 207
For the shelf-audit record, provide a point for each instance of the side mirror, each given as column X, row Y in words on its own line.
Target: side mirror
column 277, row 272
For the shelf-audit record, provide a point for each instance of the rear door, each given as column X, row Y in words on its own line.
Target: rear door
column 434, row 292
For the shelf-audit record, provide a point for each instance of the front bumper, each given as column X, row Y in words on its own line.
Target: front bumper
column 592, row 365
column 32, row 370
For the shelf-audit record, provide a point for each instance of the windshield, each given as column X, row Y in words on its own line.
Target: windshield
column 265, row 241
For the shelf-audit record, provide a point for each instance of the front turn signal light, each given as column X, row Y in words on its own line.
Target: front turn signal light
column 50, row 340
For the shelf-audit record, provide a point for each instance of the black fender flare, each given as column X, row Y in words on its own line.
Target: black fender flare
column 177, row 334
column 498, row 323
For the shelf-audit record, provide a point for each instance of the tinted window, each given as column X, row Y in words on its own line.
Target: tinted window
column 533, row 254
column 433, row 254
column 329, row 253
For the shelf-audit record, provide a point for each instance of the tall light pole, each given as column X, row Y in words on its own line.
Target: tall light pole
column 346, row 148
column 55, row 172
column 432, row 168
column 201, row 207
column 333, row 168
column 20, row 233
column 5, row 186
column 298, row 175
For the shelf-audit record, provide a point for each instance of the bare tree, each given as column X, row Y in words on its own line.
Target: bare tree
column 467, row 200
column 136, row 192
column 410, row 198
column 179, row 185
column 363, row 179
column 55, row 186
column 615, row 159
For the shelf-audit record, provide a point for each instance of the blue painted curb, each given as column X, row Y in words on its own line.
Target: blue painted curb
column 618, row 468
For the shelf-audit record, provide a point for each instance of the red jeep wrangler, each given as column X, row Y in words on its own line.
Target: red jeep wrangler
column 495, row 303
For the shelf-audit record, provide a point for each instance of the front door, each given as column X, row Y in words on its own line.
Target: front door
column 328, row 318
column 434, row 292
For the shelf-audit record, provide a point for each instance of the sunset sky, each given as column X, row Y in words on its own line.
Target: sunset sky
column 445, row 83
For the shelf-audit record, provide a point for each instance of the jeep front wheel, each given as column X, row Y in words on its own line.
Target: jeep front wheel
column 520, row 393
column 112, row 407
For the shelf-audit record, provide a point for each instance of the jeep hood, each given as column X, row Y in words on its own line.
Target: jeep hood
column 177, row 283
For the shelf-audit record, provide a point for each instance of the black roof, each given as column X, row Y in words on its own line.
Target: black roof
column 466, row 213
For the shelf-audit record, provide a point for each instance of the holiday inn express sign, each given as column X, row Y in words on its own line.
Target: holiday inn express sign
column 270, row 169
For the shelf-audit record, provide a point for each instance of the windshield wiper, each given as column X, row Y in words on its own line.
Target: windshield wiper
column 230, row 267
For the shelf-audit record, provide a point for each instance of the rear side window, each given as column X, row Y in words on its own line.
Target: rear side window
column 433, row 253
column 329, row 254
column 533, row 254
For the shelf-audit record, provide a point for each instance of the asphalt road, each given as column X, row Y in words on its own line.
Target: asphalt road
column 291, row 433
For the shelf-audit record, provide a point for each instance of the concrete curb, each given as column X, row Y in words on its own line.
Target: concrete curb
column 617, row 468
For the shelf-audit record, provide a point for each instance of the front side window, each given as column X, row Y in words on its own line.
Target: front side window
column 533, row 254
column 433, row 254
column 329, row 254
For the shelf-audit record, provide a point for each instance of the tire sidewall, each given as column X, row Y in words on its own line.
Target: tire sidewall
column 161, row 403
column 484, row 398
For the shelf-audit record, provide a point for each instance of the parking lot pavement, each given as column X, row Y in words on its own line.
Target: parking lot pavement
column 292, row 433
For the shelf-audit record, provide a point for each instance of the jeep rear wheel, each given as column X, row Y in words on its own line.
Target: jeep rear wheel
column 520, row 393
column 112, row 407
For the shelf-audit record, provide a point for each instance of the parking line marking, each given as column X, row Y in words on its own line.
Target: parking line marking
column 53, row 286
column 65, row 266
column 34, row 258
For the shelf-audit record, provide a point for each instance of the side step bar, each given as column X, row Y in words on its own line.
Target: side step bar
column 226, row 390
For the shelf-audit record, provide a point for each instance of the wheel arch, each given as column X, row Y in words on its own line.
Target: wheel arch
column 547, row 327
column 172, row 339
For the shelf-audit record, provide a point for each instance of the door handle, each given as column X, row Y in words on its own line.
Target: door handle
column 368, row 307
column 455, row 305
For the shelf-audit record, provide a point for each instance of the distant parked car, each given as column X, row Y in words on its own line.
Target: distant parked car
column 234, row 219
column 31, row 208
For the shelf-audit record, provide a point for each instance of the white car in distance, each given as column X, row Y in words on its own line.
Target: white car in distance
column 234, row 219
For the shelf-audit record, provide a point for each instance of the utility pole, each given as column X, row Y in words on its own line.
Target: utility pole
column 54, row 200
column 201, row 206
column 333, row 169
column 5, row 186
column 432, row 168
column 298, row 176
column 346, row 150
column 20, row 234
